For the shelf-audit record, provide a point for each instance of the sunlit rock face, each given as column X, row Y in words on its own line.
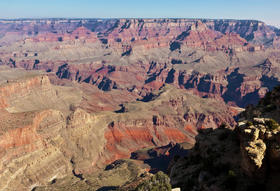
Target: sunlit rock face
column 50, row 131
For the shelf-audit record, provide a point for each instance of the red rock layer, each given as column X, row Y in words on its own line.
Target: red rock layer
column 22, row 139
column 81, row 33
column 123, row 139
column 128, row 33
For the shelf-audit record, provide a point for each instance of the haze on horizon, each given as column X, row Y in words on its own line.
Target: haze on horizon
column 263, row 10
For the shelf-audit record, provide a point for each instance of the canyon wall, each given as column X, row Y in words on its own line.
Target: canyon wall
column 43, row 142
column 213, row 58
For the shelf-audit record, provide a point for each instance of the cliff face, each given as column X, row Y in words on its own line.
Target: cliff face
column 140, row 55
column 255, row 31
column 12, row 90
column 24, row 91
column 237, row 86
column 46, row 135
column 243, row 159
column 222, row 159
column 29, row 150
column 163, row 118
column 125, row 34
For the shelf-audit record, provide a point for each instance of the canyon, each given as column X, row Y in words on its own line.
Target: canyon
column 79, row 94
column 140, row 55
column 55, row 136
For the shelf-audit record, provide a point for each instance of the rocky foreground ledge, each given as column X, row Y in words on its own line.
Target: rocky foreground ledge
column 246, row 158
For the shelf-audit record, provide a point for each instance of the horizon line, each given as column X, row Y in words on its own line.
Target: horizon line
column 112, row 18
column 193, row 18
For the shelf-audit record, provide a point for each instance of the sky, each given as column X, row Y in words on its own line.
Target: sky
column 264, row 10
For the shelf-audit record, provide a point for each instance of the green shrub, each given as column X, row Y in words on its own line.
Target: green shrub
column 159, row 181
column 271, row 124
column 230, row 182
column 249, row 123
column 231, row 173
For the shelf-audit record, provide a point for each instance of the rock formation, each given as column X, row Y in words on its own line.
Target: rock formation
column 141, row 55
column 244, row 159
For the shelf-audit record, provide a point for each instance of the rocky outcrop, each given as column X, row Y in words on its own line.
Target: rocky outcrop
column 163, row 118
column 200, row 36
column 12, row 90
column 79, row 34
column 25, row 91
column 255, row 146
column 254, row 31
column 230, row 160
column 242, row 159
column 28, row 154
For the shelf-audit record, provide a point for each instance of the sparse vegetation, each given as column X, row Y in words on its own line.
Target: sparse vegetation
column 230, row 182
column 159, row 181
column 271, row 124
column 249, row 123
column 231, row 173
